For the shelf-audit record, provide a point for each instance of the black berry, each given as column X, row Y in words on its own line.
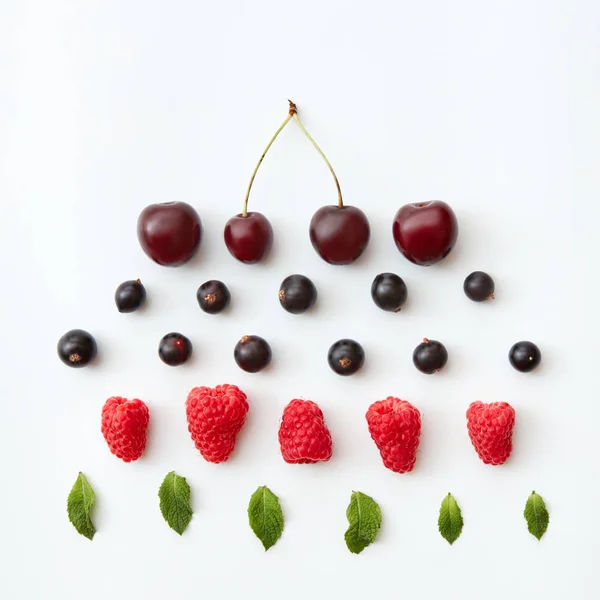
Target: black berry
column 252, row 353
column 213, row 296
column 174, row 349
column 77, row 348
column 130, row 295
column 525, row 356
column 297, row 294
column 479, row 286
column 345, row 357
column 389, row 292
column 430, row 356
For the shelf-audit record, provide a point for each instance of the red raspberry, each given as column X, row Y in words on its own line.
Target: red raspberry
column 215, row 416
column 124, row 425
column 303, row 435
column 490, row 429
column 395, row 426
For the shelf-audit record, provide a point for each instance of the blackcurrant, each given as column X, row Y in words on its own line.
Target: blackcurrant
column 252, row 353
column 213, row 296
column 174, row 349
column 479, row 286
column 77, row 348
column 430, row 356
column 297, row 294
column 524, row 356
column 345, row 357
column 389, row 292
column 130, row 295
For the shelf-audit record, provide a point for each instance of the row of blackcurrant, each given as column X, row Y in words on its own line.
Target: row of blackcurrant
column 252, row 353
column 297, row 293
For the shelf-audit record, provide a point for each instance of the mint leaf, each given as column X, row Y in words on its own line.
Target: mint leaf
column 364, row 516
column 79, row 504
column 174, row 494
column 265, row 516
column 450, row 521
column 536, row 515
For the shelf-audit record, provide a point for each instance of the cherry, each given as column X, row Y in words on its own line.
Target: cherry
column 248, row 238
column 425, row 232
column 169, row 233
column 339, row 233
column 249, row 235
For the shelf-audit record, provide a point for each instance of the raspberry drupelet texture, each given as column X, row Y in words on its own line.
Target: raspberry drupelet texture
column 215, row 417
column 395, row 426
column 124, row 426
column 303, row 435
column 490, row 429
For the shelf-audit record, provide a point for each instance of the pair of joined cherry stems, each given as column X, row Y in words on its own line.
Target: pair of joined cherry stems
column 424, row 232
column 293, row 114
column 339, row 236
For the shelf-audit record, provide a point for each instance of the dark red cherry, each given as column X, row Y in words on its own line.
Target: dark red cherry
column 249, row 238
column 339, row 233
column 169, row 233
column 425, row 232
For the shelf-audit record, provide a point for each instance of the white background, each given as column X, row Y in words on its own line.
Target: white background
column 107, row 106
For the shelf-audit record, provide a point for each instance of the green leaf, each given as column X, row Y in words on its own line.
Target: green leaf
column 364, row 516
column 79, row 504
column 536, row 515
column 174, row 494
column 450, row 521
column 265, row 516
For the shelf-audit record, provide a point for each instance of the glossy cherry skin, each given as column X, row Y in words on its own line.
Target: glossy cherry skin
column 425, row 232
column 169, row 233
column 339, row 234
column 248, row 238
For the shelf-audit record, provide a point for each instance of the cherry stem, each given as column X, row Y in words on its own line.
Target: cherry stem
column 287, row 120
column 310, row 139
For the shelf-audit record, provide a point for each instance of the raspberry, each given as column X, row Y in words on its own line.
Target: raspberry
column 215, row 416
column 395, row 426
column 303, row 435
column 124, row 425
column 490, row 429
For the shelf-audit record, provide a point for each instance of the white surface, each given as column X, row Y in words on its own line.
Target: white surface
column 109, row 106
